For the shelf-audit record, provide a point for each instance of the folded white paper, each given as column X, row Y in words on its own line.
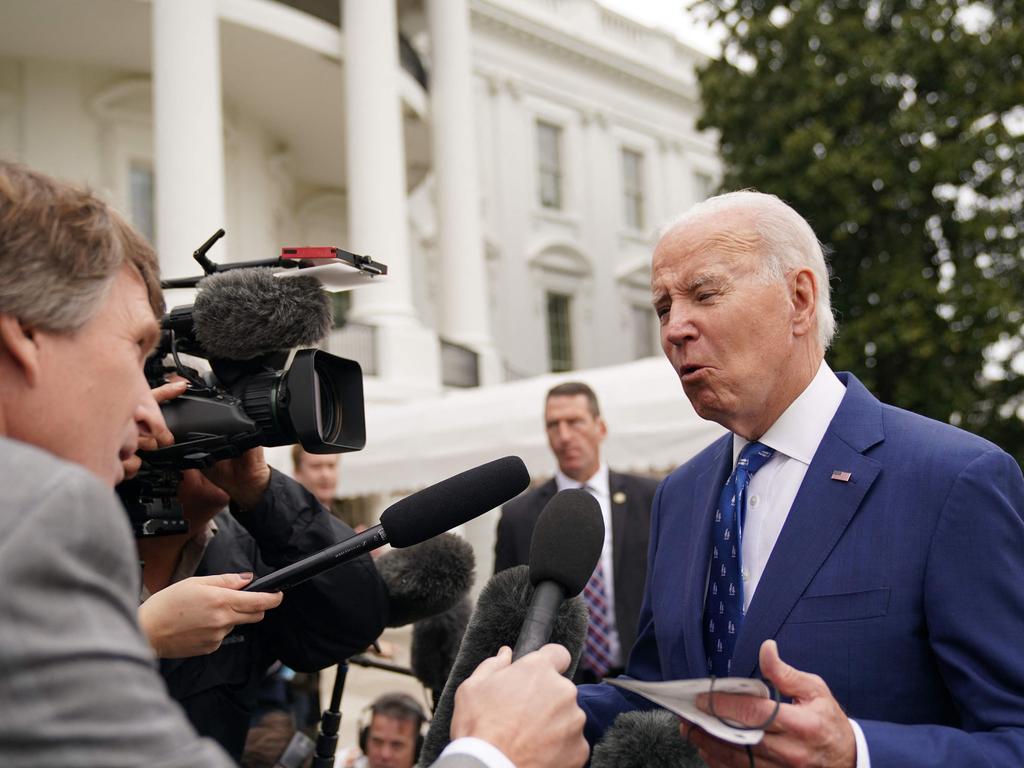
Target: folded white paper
column 680, row 696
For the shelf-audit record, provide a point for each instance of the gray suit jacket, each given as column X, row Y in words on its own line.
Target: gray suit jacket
column 78, row 683
column 631, row 523
column 458, row 761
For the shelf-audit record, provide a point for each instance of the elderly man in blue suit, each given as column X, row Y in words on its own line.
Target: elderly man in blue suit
column 879, row 553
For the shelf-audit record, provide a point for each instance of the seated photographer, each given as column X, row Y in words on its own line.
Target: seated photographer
column 247, row 520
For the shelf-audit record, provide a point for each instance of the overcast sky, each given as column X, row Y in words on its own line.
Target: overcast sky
column 667, row 14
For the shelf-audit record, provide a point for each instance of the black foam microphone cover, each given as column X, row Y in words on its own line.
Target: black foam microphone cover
column 454, row 501
column 435, row 644
column 414, row 519
column 648, row 739
column 567, row 540
column 244, row 313
column 566, row 545
column 426, row 579
column 499, row 613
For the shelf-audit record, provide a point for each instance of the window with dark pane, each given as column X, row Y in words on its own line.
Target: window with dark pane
column 559, row 332
column 644, row 331
column 549, row 165
column 633, row 188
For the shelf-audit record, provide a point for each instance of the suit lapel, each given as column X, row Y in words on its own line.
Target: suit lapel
column 620, row 519
column 545, row 494
column 691, row 562
column 821, row 511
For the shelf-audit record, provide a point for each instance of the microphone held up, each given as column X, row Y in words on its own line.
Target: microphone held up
column 426, row 579
column 496, row 621
column 414, row 519
column 566, row 545
column 648, row 739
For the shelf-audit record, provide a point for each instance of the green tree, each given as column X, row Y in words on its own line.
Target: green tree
column 896, row 127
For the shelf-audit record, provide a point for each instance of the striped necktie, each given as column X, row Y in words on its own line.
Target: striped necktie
column 597, row 650
column 723, row 604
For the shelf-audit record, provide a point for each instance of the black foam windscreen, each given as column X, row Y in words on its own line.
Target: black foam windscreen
column 500, row 611
column 567, row 540
column 435, row 644
column 244, row 313
column 645, row 740
column 426, row 579
column 454, row 501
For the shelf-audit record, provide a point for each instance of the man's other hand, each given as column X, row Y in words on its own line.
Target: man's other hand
column 813, row 730
column 244, row 479
column 527, row 709
column 191, row 617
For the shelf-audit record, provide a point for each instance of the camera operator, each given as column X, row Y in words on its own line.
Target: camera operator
column 272, row 521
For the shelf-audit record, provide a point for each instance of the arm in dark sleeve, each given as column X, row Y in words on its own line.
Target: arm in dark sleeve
column 331, row 616
column 504, row 543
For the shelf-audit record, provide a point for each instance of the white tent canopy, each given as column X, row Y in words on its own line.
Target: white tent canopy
column 651, row 428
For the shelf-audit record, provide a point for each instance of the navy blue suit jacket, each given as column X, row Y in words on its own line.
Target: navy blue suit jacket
column 903, row 587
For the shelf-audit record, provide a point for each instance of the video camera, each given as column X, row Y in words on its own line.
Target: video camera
column 262, row 389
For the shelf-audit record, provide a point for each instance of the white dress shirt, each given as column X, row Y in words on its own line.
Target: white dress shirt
column 482, row 750
column 598, row 487
column 795, row 436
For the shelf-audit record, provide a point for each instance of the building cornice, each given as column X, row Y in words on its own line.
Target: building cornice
column 532, row 30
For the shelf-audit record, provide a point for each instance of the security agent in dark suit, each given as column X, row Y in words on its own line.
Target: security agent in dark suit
column 575, row 431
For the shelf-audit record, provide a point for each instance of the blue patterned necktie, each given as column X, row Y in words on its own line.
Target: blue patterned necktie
column 723, row 604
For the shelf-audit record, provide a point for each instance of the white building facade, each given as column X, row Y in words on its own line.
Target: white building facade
column 509, row 160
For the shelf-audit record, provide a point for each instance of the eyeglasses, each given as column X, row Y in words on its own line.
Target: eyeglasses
column 743, row 726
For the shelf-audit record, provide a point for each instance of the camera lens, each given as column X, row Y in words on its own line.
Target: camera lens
column 326, row 407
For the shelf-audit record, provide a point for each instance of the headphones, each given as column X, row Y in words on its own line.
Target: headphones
column 400, row 706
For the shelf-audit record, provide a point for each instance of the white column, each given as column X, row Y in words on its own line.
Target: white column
column 464, row 316
column 407, row 353
column 188, row 132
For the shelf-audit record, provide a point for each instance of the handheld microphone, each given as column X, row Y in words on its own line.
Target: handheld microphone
column 245, row 313
column 499, row 615
column 413, row 519
column 426, row 579
column 564, row 551
column 645, row 740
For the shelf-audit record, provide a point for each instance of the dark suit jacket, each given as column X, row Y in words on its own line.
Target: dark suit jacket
column 630, row 534
column 903, row 587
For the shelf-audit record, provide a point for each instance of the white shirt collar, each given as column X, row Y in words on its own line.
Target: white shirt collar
column 598, row 481
column 801, row 427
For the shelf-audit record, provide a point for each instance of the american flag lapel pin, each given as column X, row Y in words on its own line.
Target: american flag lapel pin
column 842, row 477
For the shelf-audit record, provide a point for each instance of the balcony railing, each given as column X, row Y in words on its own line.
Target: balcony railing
column 330, row 11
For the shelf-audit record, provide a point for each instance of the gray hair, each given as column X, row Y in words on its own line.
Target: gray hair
column 60, row 249
column 787, row 243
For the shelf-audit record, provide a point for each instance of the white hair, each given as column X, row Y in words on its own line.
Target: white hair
column 787, row 243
